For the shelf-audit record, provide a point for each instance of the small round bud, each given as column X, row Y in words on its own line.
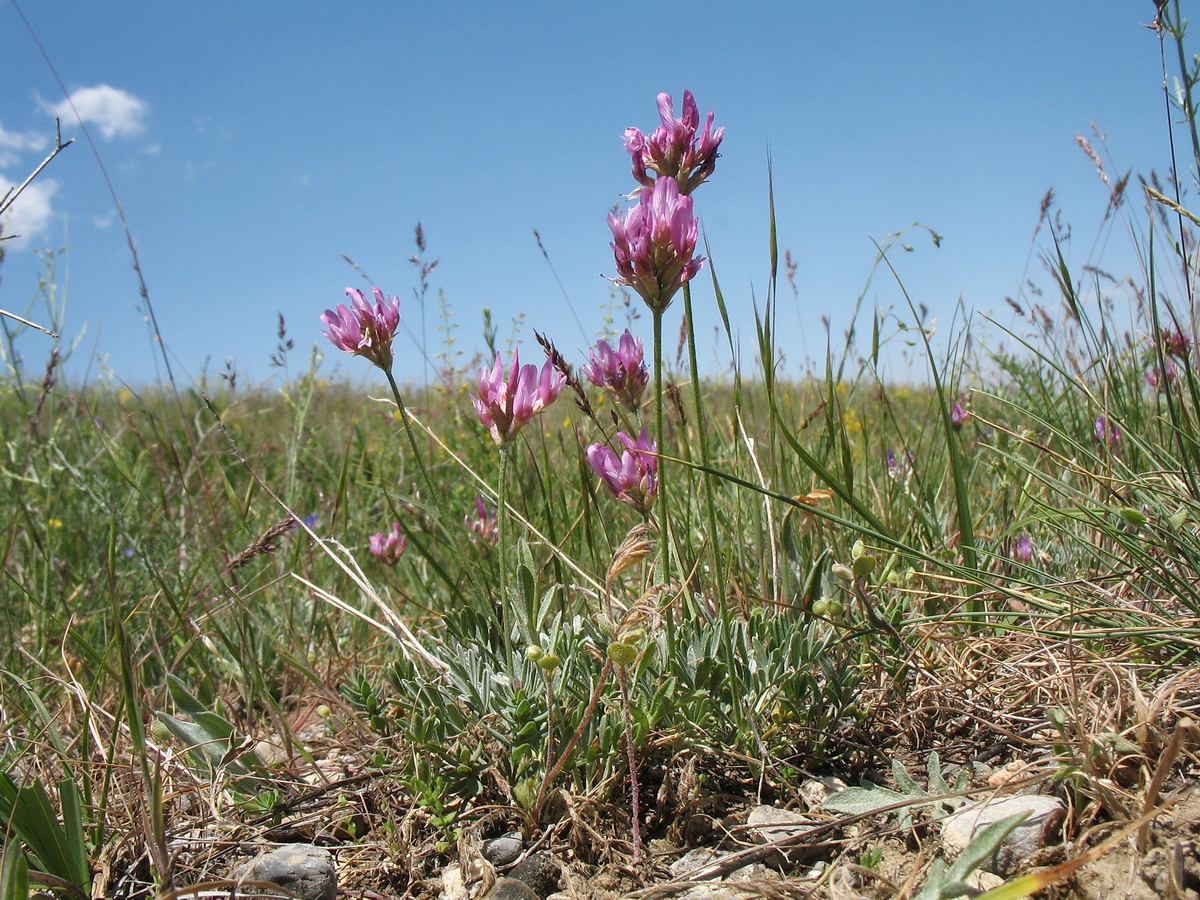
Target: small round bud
column 864, row 566
column 621, row 653
column 841, row 572
column 549, row 662
column 534, row 653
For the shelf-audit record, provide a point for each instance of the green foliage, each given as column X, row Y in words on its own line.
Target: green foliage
column 944, row 883
column 55, row 846
column 907, row 796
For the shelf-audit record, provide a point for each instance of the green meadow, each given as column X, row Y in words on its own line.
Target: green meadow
column 997, row 559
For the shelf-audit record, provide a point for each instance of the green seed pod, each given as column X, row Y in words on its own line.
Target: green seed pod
column 864, row 566
column 841, row 572
column 324, row 711
column 1133, row 516
column 858, row 549
column 834, row 608
column 549, row 662
column 621, row 653
column 534, row 653
column 821, row 608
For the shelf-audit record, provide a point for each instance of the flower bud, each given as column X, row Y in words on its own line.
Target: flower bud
column 621, row 653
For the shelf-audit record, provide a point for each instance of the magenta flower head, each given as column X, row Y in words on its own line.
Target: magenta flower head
column 1022, row 549
column 654, row 243
column 958, row 415
column 483, row 523
column 388, row 546
column 1175, row 343
column 1159, row 379
column 674, row 150
column 362, row 329
column 633, row 476
column 1106, row 432
column 506, row 405
column 621, row 371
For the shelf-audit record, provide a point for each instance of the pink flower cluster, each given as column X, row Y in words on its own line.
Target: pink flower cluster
column 363, row 329
column 483, row 523
column 654, row 242
column 621, row 371
column 633, row 476
column 388, row 546
column 674, row 150
column 507, row 404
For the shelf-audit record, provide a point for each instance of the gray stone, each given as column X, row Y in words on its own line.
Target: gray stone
column 693, row 860
column 504, row 850
column 1040, row 829
column 815, row 792
column 540, row 871
column 769, row 824
column 510, row 889
column 300, row 868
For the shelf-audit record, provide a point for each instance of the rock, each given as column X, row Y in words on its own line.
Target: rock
column 714, row 892
column 1039, row 829
column 300, row 868
column 693, row 860
column 815, row 792
column 510, row 889
column 454, row 886
column 769, row 824
column 540, row 871
column 504, row 850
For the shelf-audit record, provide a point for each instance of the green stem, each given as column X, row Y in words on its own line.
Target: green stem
column 505, row 609
column 412, row 443
column 664, row 530
column 702, row 429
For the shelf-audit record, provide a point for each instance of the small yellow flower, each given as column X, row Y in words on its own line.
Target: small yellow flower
column 55, row 523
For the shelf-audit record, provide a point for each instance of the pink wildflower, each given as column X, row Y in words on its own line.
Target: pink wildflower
column 1106, row 432
column 505, row 406
column 674, row 150
column 653, row 244
column 633, row 476
column 362, row 329
column 483, row 523
column 388, row 546
column 1022, row 550
column 958, row 415
column 621, row 371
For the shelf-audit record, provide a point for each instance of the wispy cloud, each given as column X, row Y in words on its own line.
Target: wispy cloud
column 115, row 112
column 31, row 214
column 14, row 143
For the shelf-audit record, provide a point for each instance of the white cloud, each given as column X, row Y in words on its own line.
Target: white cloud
column 13, row 143
column 31, row 214
column 114, row 111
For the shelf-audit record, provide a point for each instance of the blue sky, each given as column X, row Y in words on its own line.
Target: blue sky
column 252, row 144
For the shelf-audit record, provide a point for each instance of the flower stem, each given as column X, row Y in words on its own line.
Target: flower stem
column 505, row 609
column 412, row 443
column 702, row 428
column 664, row 532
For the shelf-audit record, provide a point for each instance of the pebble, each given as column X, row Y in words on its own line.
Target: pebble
column 510, row 889
column 504, row 850
column 1040, row 829
column 300, row 868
